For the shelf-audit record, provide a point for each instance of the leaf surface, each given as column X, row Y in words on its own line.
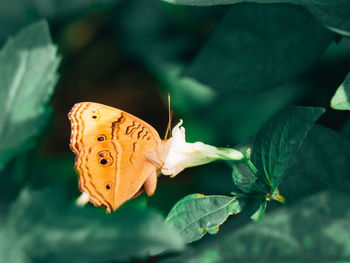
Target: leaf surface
column 243, row 177
column 42, row 227
column 257, row 47
column 298, row 233
column 334, row 16
column 322, row 162
column 278, row 141
column 228, row 2
column 28, row 73
column 341, row 98
column 196, row 214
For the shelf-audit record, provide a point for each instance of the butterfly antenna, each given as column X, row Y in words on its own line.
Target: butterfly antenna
column 170, row 117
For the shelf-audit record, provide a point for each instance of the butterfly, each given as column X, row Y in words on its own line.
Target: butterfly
column 117, row 154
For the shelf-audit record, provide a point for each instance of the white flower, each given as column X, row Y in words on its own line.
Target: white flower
column 183, row 154
column 83, row 199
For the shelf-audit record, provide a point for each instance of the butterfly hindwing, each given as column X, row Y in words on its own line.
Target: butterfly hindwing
column 111, row 148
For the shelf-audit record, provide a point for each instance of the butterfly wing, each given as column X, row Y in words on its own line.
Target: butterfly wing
column 111, row 148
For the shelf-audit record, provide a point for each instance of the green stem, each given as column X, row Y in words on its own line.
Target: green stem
column 255, row 171
column 251, row 166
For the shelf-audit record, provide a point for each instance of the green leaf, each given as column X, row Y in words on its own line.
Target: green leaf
column 41, row 227
column 28, row 65
column 227, row 2
column 278, row 141
column 38, row 171
column 340, row 100
column 322, row 162
column 334, row 16
column 249, row 51
column 245, row 114
column 243, row 177
column 196, row 214
column 260, row 212
column 253, row 206
column 314, row 230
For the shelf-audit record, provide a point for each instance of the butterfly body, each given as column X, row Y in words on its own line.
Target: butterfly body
column 116, row 153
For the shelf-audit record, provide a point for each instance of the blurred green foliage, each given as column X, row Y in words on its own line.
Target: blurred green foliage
column 298, row 233
column 253, row 53
column 28, row 66
column 334, row 17
column 230, row 66
column 42, row 225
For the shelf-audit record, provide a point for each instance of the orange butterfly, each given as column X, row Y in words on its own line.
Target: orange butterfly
column 116, row 154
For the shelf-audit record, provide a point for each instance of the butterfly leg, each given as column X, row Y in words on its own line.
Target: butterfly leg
column 150, row 184
column 155, row 161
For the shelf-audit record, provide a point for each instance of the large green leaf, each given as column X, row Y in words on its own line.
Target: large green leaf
column 28, row 65
column 279, row 140
column 196, row 214
column 155, row 32
column 256, row 47
column 341, row 100
column 41, row 227
column 335, row 16
column 314, row 230
column 227, row 2
column 322, row 162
